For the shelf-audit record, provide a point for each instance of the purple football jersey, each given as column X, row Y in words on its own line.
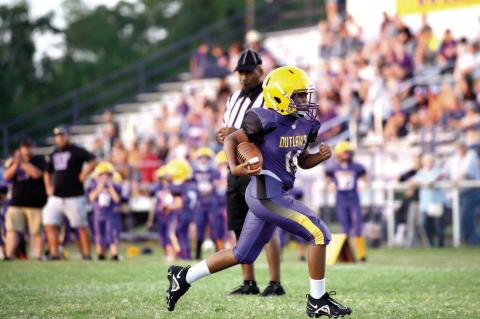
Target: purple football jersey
column 205, row 179
column 104, row 202
column 345, row 176
column 281, row 140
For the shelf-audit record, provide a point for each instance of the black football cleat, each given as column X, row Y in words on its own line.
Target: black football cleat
column 274, row 288
column 326, row 306
column 249, row 287
column 177, row 277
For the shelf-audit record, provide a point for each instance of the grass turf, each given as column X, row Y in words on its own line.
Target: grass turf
column 414, row 283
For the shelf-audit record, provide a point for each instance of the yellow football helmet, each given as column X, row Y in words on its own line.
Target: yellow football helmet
column 161, row 172
column 204, row 151
column 282, row 85
column 221, row 158
column 343, row 146
column 179, row 170
column 103, row 167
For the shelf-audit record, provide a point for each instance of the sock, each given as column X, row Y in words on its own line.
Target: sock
column 317, row 288
column 197, row 272
column 360, row 246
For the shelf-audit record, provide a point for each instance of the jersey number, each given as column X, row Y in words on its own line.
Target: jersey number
column 291, row 161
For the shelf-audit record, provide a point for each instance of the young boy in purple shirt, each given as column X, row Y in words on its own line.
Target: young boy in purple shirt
column 346, row 173
column 165, row 218
column 206, row 212
column 104, row 196
column 180, row 172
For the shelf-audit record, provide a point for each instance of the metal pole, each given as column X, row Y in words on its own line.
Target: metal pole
column 390, row 216
column 249, row 15
column 456, row 216
column 75, row 110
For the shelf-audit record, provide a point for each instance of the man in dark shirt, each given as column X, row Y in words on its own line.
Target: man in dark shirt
column 28, row 197
column 64, row 179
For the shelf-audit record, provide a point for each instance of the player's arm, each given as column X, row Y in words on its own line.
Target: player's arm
column 223, row 132
column 230, row 145
column 31, row 170
column 87, row 170
column 12, row 169
column 151, row 215
column 177, row 202
column 114, row 193
column 307, row 160
column 93, row 194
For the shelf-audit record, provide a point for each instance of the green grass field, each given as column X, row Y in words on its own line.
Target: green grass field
column 415, row 283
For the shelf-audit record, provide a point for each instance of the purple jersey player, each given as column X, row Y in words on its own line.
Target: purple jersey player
column 282, row 132
column 104, row 196
column 346, row 173
column 183, row 190
column 165, row 218
column 206, row 213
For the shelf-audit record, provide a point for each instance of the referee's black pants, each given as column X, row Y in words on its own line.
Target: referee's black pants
column 237, row 207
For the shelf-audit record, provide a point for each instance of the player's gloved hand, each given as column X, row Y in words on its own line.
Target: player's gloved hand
column 325, row 152
column 244, row 170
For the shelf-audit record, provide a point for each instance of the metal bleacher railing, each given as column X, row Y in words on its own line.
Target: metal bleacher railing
column 77, row 106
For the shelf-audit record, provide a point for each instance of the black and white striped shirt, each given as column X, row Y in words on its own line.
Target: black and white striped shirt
column 239, row 103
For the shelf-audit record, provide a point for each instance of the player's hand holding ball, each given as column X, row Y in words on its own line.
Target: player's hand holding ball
column 249, row 158
column 325, row 152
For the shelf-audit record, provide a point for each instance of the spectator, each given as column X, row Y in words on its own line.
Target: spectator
column 28, row 198
column 199, row 62
column 447, row 53
column 431, row 201
column 64, row 180
column 470, row 124
column 465, row 165
column 162, row 147
column 408, row 212
column 110, row 131
column 396, row 125
column 133, row 159
column 220, row 67
column 119, row 157
column 148, row 162
column 233, row 54
column 98, row 147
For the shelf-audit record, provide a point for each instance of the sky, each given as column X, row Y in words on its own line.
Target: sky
column 48, row 43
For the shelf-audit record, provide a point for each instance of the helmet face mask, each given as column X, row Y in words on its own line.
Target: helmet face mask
column 302, row 104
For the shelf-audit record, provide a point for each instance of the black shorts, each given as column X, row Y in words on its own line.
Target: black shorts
column 237, row 208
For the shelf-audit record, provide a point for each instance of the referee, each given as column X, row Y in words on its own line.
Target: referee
column 250, row 72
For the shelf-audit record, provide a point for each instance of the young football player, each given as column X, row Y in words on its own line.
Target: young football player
column 221, row 192
column 180, row 171
column 164, row 218
column 104, row 195
column 345, row 173
column 206, row 212
column 282, row 132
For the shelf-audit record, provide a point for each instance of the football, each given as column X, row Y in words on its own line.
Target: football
column 249, row 152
